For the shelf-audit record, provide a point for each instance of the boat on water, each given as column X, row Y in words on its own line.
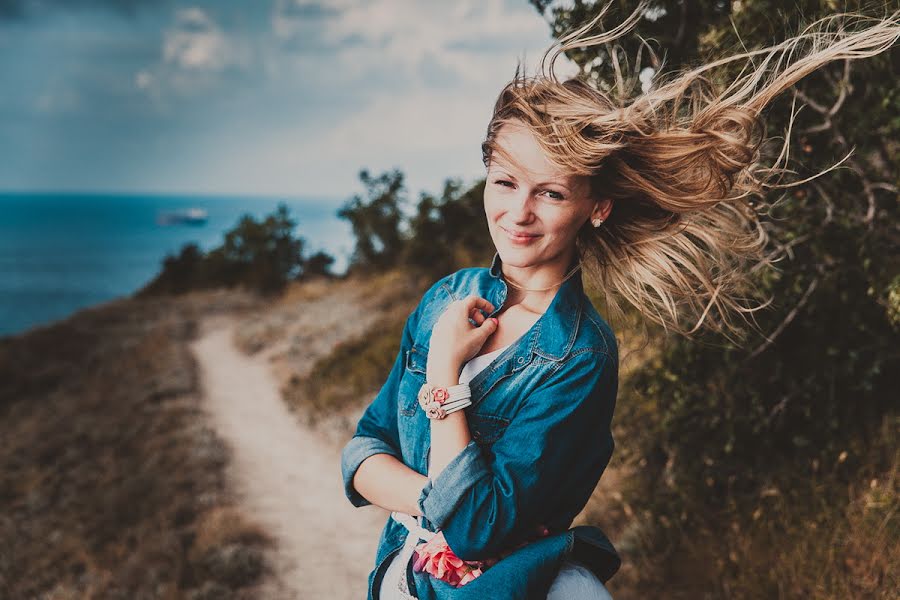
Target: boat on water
column 188, row 216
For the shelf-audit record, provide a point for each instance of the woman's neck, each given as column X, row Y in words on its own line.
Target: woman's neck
column 536, row 297
column 532, row 302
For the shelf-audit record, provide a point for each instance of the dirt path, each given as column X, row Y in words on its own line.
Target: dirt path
column 288, row 477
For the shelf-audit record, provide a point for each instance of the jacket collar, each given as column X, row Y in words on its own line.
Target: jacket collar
column 553, row 335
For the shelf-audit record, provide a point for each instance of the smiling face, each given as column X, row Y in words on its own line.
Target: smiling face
column 532, row 197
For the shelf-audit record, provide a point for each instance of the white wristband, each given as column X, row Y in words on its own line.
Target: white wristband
column 466, row 404
column 439, row 401
column 454, row 405
column 430, row 393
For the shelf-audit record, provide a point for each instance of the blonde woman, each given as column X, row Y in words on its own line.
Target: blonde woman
column 494, row 425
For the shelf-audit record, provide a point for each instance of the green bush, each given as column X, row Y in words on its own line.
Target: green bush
column 750, row 459
column 260, row 255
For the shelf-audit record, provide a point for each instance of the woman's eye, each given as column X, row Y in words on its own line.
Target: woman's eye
column 551, row 194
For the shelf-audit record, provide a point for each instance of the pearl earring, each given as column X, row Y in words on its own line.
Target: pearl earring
column 597, row 222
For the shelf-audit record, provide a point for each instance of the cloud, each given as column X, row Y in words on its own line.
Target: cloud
column 196, row 55
column 196, row 42
column 336, row 44
column 450, row 42
column 363, row 83
column 276, row 97
column 143, row 79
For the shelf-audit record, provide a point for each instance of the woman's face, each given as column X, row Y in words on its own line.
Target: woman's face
column 536, row 199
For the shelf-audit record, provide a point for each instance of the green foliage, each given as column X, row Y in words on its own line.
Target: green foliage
column 351, row 371
column 260, row 255
column 376, row 221
column 319, row 264
column 265, row 255
column 675, row 27
column 716, row 428
column 444, row 234
column 186, row 270
column 449, row 232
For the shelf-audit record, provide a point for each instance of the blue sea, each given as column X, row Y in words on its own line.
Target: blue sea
column 63, row 252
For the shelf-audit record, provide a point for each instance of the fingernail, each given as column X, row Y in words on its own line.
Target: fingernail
column 495, row 320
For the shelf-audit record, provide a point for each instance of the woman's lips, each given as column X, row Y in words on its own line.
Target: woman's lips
column 519, row 239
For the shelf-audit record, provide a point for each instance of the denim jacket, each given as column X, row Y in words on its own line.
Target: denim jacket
column 540, row 422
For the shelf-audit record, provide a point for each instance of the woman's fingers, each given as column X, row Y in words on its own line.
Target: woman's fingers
column 477, row 316
column 472, row 302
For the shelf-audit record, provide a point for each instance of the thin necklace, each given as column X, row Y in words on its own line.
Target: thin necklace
column 524, row 289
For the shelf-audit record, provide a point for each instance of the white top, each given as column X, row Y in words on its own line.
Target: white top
column 396, row 570
column 474, row 366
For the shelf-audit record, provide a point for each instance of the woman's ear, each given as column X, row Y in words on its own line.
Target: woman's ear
column 602, row 208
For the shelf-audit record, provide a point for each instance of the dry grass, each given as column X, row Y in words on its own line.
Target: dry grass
column 111, row 485
column 330, row 343
column 816, row 540
column 850, row 551
column 312, row 317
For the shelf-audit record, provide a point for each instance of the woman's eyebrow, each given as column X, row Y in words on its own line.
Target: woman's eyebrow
column 552, row 182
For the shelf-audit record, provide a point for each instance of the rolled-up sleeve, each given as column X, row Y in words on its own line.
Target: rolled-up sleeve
column 377, row 431
column 556, row 446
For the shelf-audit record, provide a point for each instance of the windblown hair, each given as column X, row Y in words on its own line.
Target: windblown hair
column 681, row 163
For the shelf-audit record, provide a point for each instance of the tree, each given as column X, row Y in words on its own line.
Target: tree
column 449, row 232
column 180, row 273
column 264, row 255
column 261, row 255
column 319, row 264
column 805, row 412
column 376, row 221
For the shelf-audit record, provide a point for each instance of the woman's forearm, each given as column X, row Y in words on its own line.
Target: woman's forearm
column 448, row 435
column 387, row 482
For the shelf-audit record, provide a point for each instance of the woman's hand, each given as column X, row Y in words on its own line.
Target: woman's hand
column 453, row 339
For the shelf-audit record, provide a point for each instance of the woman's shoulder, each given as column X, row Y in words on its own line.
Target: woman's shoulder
column 595, row 333
column 442, row 291
column 451, row 287
column 458, row 284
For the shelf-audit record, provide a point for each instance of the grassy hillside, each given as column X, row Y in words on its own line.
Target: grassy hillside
column 111, row 486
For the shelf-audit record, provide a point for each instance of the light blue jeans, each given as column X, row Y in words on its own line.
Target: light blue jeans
column 576, row 582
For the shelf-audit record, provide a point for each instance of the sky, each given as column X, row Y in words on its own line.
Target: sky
column 253, row 97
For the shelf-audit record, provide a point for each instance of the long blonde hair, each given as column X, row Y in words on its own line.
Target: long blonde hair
column 682, row 164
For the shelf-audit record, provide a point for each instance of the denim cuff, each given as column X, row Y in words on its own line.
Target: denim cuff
column 442, row 495
column 358, row 449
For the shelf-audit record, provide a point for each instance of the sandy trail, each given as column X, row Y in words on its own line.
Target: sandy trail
column 287, row 476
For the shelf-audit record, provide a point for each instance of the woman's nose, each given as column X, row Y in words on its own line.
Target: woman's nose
column 521, row 208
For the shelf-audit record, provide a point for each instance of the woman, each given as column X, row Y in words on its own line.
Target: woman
column 493, row 427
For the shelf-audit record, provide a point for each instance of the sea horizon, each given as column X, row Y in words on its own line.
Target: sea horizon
column 64, row 251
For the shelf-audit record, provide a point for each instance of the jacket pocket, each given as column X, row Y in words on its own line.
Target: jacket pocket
column 486, row 429
column 413, row 378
